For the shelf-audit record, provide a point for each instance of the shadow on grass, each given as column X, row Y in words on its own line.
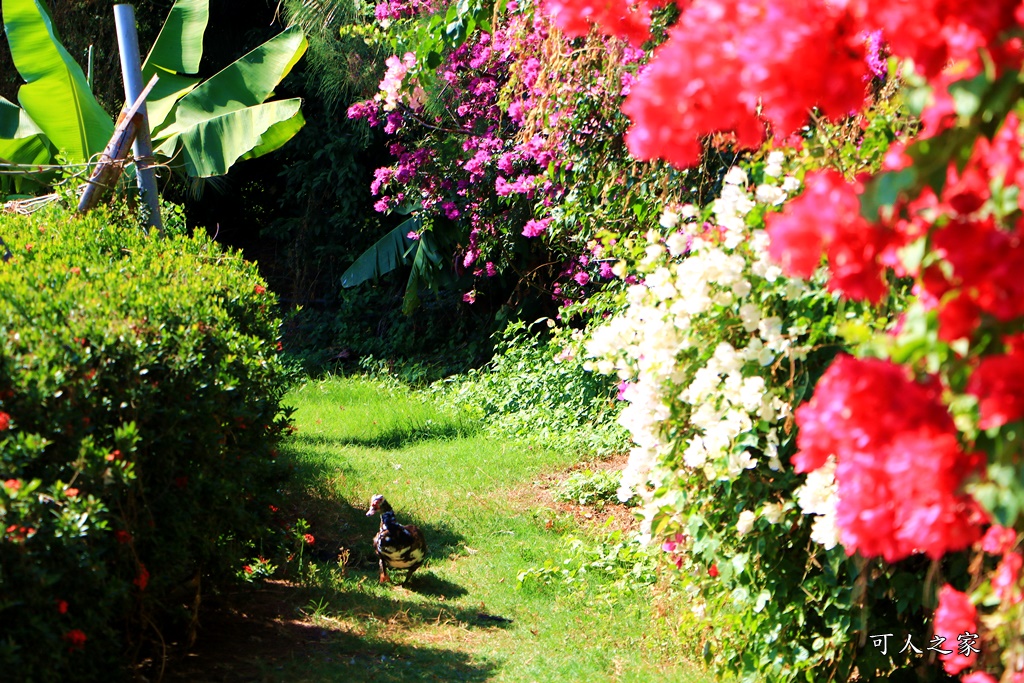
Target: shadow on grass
column 391, row 436
column 268, row 634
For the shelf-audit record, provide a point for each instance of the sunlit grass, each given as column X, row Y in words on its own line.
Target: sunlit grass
column 358, row 437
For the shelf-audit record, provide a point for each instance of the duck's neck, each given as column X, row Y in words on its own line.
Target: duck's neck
column 388, row 521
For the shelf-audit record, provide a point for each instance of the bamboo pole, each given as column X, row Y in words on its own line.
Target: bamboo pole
column 131, row 73
column 111, row 163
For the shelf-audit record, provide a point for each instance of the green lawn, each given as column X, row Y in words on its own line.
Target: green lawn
column 471, row 495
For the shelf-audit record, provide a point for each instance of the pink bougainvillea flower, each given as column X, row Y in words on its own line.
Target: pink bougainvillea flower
column 955, row 615
column 998, row 540
column 535, row 227
column 978, row 677
column 1006, row 579
column 900, row 467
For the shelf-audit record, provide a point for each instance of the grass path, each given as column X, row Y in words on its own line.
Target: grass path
column 466, row 491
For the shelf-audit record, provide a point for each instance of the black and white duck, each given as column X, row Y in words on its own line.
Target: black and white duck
column 398, row 546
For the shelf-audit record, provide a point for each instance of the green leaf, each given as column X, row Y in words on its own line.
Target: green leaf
column 211, row 146
column 179, row 47
column 56, row 94
column 21, row 142
column 387, row 254
column 175, row 57
column 245, row 83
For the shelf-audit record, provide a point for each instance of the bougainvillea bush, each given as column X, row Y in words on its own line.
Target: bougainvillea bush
column 139, row 407
column 910, row 447
column 508, row 148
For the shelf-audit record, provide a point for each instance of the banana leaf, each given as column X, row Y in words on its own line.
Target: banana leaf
column 55, row 95
column 22, row 143
column 210, row 147
column 247, row 82
column 175, row 57
column 387, row 254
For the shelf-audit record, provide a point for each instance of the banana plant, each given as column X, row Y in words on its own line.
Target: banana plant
column 200, row 129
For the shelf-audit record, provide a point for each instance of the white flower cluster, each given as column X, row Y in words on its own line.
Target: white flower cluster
column 682, row 402
column 818, row 496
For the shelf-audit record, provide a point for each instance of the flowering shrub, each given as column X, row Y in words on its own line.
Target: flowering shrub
column 139, row 404
column 916, row 440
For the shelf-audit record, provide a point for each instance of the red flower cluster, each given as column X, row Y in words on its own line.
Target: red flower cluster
column 5, row 421
column 620, row 18
column 727, row 62
column 76, row 639
column 725, row 59
column 954, row 616
column 998, row 382
column 899, row 464
column 308, row 538
column 826, row 219
column 142, row 579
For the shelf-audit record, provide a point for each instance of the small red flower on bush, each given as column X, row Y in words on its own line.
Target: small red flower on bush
column 71, row 492
column 955, row 615
column 5, row 421
column 76, row 639
column 113, row 455
column 713, row 571
column 12, row 484
column 123, row 536
column 62, row 606
column 248, row 569
column 259, row 289
column 308, row 538
column 142, row 580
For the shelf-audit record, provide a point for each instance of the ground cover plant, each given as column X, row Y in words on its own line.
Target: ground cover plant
column 140, row 405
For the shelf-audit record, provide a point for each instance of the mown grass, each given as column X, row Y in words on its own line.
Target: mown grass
column 461, row 617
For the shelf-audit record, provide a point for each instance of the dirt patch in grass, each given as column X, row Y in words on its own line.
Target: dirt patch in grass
column 539, row 495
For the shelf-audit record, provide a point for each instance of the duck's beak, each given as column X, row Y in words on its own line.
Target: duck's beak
column 371, row 512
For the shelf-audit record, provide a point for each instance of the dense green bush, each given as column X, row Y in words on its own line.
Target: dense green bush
column 535, row 388
column 139, row 407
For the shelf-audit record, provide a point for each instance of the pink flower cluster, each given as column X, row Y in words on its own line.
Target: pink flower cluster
column 899, row 466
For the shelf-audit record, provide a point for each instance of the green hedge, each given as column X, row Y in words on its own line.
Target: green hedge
column 140, row 402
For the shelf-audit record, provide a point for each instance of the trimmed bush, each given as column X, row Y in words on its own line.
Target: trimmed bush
column 140, row 401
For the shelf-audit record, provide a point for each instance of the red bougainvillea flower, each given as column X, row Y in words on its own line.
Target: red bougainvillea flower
column 731, row 65
column 899, row 465
column 998, row 382
column 71, row 492
column 12, row 484
column 259, row 289
column 5, row 421
column 1007, row 577
column 998, row 540
column 955, row 615
column 620, row 18
column 75, row 638
column 62, row 606
column 309, row 539
column 713, row 571
column 826, row 219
